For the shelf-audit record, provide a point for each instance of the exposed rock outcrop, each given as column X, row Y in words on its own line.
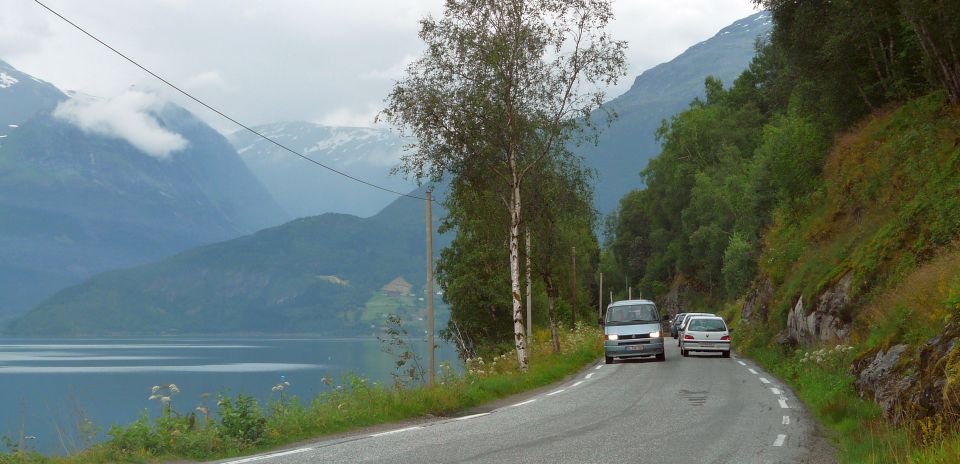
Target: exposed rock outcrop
column 913, row 384
column 758, row 302
column 677, row 299
column 880, row 379
column 827, row 321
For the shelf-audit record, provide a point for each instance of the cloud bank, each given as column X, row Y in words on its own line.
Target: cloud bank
column 127, row 117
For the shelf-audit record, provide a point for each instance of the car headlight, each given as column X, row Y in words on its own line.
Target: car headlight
column 655, row 334
column 612, row 337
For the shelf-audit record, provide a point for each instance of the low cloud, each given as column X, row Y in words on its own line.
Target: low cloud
column 127, row 117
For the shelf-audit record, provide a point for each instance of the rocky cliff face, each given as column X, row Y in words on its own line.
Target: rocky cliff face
column 829, row 321
column 912, row 384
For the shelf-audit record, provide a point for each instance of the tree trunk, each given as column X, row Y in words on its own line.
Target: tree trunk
column 515, row 222
column 552, row 311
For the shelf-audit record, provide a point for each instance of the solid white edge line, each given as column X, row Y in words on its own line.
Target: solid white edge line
column 786, row 420
column 752, row 371
column 742, row 363
column 268, row 456
column 775, row 391
column 780, row 439
column 523, row 403
column 555, row 392
column 598, row 367
column 471, row 416
column 391, row 432
column 764, row 380
column 589, row 375
column 783, row 404
column 578, row 383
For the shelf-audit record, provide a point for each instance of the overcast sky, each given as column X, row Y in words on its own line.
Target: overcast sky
column 326, row 61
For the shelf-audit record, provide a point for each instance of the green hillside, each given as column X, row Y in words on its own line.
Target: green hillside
column 624, row 149
column 312, row 275
column 816, row 205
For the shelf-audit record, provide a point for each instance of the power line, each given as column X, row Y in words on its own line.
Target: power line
column 222, row 114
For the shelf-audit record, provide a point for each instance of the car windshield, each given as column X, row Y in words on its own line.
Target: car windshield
column 707, row 325
column 633, row 313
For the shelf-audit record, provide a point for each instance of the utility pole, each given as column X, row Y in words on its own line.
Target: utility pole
column 600, row 299
column 430, row 328
column 629, row 292
column 529, row 293
column 573, row 293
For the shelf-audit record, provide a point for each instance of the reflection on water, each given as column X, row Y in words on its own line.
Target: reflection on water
column 47, row 386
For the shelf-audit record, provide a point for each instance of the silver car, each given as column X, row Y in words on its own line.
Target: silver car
column 705, row 333
column 631, row 329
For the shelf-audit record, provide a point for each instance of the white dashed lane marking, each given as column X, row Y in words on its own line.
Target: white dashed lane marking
column 786, row 420
column 391, row 432
column 783, row 403
column 471, row 416
column 780, row 439
column 598, row 367
column 589, row 375
column 752, row 371
column 555, row 392
column 764, row 380
column 578, row 383
column 269, row 456
column 742, row 363
column 776, row 391
column 523, row 403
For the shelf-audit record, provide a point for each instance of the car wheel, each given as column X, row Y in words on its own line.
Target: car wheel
column 726, row 354
column 608, row 359
column 662, row 357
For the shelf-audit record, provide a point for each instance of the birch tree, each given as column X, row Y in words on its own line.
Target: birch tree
column 501, row 84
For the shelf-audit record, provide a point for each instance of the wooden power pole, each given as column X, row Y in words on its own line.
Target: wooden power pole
column 600, row 300
column 430, row 328
column 573, row 291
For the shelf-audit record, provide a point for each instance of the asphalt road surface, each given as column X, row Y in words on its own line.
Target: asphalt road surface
column 701, row 409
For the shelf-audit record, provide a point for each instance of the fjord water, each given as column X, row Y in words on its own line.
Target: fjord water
column 47, row 386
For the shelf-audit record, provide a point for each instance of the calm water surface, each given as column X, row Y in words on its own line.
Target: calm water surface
column 47, row 385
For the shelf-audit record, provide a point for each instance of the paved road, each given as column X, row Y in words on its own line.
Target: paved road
column 701, row 409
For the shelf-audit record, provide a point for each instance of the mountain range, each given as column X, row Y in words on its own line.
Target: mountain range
column 625, row 147
column 86, row 185
column 328, row 274
column 337, row 272
column 304, row 189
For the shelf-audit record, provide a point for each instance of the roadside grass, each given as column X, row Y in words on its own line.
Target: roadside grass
column 819, row 377
column 242, row 426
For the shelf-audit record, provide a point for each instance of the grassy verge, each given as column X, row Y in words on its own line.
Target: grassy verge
column 242, row 426
column 862, row 435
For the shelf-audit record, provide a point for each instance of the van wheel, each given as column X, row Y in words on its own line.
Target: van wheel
column 662, row 357
column 726, row 354
column 608, row 359
column 685, row 353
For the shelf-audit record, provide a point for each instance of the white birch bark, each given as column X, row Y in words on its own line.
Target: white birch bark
column 518, row 329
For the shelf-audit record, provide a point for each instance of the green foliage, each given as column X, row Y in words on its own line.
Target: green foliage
column 394, row 342
column 739, row 264
column 241, row 420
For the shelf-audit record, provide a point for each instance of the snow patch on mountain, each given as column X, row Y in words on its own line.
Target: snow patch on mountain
column 7, row 80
